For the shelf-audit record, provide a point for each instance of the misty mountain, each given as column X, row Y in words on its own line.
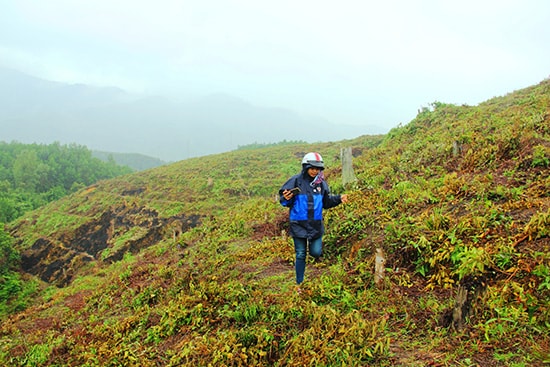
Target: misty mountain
column 110, row 119
column 24, row 94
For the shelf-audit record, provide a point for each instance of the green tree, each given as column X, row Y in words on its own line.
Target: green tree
column 14, row 292
column 8, row 256
column 29, row 172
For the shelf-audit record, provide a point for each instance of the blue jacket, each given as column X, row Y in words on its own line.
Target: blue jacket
column 306, row 208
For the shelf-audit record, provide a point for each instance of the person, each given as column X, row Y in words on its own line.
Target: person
column 306, row 195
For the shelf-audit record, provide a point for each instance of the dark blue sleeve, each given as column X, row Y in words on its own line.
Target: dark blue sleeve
column 290, row 184
column 329, row 200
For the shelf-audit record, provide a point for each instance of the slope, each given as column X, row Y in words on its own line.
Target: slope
column 189, row 264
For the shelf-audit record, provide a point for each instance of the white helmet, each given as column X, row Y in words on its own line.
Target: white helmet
column 314, row 160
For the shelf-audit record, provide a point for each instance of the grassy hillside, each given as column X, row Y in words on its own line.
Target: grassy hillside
column 189, row 264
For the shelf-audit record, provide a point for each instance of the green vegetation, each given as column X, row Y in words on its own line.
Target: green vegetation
column 137, row 162
column 32, row 175
column 14, row 292
column 266, row 145
column 457, row 199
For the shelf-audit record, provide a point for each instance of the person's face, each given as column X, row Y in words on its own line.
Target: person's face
column 313, row 171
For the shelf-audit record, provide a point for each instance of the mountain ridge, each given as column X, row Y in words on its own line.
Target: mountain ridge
column 111, row 119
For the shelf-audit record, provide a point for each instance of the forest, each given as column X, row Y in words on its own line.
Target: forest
column 32, row 175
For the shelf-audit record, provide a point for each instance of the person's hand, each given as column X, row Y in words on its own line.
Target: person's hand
column 287, row 194
column 344, row 198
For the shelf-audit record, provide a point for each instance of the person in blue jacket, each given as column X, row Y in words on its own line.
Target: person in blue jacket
column 306, row 195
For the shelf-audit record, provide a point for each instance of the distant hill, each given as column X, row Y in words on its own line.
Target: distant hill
column 137, row 162
column 109, row 119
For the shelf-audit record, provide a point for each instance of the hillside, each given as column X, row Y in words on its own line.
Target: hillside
column 189, row 264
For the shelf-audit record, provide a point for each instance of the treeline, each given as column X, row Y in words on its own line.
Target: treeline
column 31, row 175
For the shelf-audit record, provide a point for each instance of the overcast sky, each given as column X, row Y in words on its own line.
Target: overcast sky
column 349, row 61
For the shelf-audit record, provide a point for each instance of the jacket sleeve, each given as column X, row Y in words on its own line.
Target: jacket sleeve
column 287, row 186
column 329, row 200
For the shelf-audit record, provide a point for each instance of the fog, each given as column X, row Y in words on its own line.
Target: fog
column 364, row 64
